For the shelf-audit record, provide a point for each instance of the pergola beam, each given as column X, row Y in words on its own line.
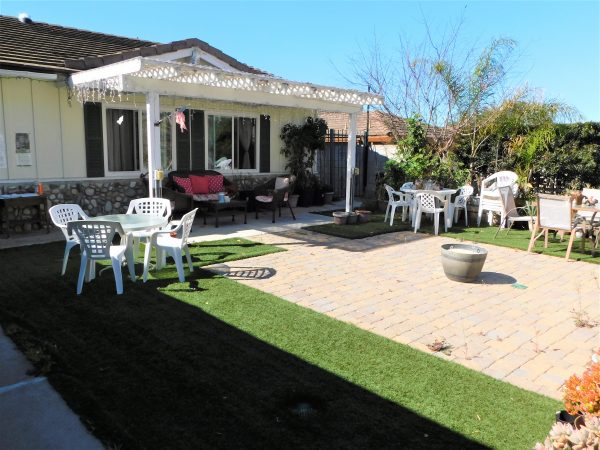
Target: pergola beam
column 176, row 89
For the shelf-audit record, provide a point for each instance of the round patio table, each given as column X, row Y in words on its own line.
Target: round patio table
column 134, row 222
column 446, row 193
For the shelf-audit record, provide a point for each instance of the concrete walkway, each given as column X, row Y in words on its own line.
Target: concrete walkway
column 394, row 285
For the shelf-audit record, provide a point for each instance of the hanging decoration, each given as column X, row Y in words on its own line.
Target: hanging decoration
column 180, row 119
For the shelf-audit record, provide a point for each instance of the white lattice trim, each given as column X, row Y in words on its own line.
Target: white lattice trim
column 110, row 78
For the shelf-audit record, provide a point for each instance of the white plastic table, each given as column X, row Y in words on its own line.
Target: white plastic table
column 446, row 193
column 134, row 222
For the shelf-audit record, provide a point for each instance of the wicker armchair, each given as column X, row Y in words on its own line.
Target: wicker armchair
column 274, row 194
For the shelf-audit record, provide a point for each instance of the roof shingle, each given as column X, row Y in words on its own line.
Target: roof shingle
column 41, row 46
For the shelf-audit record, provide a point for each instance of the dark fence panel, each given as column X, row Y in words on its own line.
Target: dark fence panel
column 331, row 163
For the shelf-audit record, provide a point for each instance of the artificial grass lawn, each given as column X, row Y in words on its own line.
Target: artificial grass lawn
column 211, row 363
column 517, row 238
column 375, row 226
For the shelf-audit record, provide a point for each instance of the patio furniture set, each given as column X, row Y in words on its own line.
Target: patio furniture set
column 148, row 220
column 213, row 194
column 557, row 214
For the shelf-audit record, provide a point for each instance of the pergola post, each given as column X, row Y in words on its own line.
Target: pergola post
column 153, row 117
column 351, row 163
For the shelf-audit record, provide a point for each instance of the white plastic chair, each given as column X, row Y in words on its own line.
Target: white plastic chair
column 96, row 239
column 426, row 203
column 408, row 185
column 173, row 242
column 61, row 215
column 160, row 207
column 460, row 202
column 403, row 201
column 511, row 212
column 554, row 213
column 489, row 196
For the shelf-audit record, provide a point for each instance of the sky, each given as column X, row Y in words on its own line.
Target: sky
column 558, row 42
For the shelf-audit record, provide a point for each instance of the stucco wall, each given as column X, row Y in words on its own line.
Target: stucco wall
column 54, row 123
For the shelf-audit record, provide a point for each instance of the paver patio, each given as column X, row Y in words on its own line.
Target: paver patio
column 394, row 285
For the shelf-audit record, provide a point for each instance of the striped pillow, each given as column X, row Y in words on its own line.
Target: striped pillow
column 215, row 184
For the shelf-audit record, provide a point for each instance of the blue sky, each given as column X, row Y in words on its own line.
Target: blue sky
column 558, row 41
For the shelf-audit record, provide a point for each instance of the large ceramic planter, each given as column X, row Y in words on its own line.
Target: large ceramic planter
column 463, row 262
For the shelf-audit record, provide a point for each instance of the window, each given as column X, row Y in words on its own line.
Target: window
column 122, row 140
column 231, row 142
column 126, row 140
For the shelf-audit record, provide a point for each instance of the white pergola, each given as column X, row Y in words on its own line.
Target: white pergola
column 153, row 77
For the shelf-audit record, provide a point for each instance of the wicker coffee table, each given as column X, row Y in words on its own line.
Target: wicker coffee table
column 214, row 207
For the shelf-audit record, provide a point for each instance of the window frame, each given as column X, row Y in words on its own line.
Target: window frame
column 233, row 115
column 142, row 139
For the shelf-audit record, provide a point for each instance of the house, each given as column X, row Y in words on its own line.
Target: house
column 87, row 113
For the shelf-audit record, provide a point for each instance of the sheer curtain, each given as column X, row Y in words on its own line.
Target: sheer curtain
column 246, row 143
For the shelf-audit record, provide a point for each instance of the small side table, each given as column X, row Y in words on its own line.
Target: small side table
column 215, row 207
column 18, row 202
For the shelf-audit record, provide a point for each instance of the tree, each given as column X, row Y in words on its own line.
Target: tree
column 449, row 89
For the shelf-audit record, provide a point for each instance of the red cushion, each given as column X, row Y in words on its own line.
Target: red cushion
column 215, row 183
column 185, row 184
column 199, row 184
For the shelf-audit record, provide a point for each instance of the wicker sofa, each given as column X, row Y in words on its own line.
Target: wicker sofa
column 182, row 202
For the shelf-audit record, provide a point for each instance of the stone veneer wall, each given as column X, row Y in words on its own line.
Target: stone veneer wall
column 95, row 197
column 101, row 197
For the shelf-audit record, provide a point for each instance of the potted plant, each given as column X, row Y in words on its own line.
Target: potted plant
column 327, row 193
column 300, row 142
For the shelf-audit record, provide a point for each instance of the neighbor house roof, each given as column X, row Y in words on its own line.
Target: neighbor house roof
column 38, row 46
column 380, row 130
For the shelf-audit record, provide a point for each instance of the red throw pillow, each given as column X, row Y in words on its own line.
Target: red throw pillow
column 185, row 184
column 199, row 184
column 215, row 183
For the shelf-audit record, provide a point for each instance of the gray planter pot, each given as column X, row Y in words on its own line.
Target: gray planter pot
column 352, row 218
column 463, row 262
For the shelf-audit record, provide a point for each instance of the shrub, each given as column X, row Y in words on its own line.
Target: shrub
column 582, row 394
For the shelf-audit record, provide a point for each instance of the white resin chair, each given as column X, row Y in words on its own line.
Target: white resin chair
column 173, row 242
column 403, row 201
column 160, row 207
column 511, row 212
column 489, row 196
column 460, row 202
column 61, row 215
column 408, row 185
column 554, row 213
column 96, row 239
column 426, row 203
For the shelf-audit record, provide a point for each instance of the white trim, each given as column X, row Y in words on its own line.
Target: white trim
column 118, row 77
column 233, row 115
column 26, row 74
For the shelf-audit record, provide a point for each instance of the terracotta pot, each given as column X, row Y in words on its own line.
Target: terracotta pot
column 364, row 216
